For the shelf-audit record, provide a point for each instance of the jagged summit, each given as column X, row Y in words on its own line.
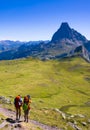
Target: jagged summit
column 65, row 32
column 64, row 25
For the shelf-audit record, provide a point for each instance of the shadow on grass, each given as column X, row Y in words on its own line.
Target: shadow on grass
column 83, row 92
column 66, row 108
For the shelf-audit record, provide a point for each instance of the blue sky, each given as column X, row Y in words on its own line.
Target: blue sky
column 31, row 20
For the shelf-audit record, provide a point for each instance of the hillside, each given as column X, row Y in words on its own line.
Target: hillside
column 56, row 87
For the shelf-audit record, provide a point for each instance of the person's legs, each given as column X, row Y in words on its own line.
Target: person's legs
column 16, row 113
column 24, row 115
column 19, row 112
column 27, row 115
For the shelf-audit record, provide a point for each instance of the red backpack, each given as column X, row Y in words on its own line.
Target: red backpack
column 26, row 99
column 17, row 101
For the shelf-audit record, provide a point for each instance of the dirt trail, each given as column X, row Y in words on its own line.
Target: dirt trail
column 11, row 124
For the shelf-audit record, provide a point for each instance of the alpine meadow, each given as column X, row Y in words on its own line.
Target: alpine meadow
column 60, row 89
column 44, row 64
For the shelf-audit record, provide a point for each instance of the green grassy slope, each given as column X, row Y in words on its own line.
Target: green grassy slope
column 64, row 85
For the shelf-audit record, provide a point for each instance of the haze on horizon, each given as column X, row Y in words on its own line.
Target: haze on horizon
column 32, row 20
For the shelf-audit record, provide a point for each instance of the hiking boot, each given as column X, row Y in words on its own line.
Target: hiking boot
column 16, row 119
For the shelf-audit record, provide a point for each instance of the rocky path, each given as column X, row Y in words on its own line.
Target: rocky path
column 10, row 123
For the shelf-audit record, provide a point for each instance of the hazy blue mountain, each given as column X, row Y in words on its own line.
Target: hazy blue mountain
column 26, row 49
column 6, row 45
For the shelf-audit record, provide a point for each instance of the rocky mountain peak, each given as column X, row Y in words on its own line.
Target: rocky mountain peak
column 65, row 32
column 64, row 25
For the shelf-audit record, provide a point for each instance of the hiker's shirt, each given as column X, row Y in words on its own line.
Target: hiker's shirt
column 26, row 105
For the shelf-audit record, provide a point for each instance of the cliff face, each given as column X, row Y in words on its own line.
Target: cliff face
column 69, row 34
column 86, row 51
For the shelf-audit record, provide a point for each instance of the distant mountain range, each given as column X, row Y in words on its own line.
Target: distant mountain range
column 65, row 42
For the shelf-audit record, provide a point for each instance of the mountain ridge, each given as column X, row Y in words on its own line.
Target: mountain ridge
column 63, row 44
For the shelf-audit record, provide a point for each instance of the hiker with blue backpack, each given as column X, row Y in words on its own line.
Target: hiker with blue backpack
column 26, row 107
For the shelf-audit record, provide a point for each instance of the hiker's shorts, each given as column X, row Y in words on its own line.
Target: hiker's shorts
column 26, row 112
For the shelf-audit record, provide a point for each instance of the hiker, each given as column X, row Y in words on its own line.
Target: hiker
column 18, row 105
column 26, row 107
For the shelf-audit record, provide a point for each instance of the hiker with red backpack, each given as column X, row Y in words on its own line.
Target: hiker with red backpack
column 18, row 105
column 26, row 107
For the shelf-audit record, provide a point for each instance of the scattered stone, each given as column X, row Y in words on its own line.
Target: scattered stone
column 77, row 128
column 5, row 100
column 71, row 124
column 62, row 113
column 89, row 121
column 74, row 126
column 72, row 116
column 3, row 124
column 1, row 97
column 84, row 123
column 75, row 122
column 80, row 115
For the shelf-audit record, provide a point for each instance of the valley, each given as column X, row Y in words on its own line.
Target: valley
column 60, row 89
